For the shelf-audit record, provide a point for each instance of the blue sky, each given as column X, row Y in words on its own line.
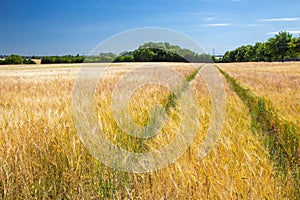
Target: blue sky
column 59, row 27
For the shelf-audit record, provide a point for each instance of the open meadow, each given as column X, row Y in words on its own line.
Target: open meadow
column 42, row 156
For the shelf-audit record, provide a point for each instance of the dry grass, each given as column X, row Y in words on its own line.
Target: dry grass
column 41, row 156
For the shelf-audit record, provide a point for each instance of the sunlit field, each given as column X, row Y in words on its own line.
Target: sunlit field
column 278, row 82
column 42, row 157
column 271, row 93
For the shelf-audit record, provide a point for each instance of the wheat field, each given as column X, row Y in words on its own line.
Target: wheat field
column 42, row 157
column 278, row 82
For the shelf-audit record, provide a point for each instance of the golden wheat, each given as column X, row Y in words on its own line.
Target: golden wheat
column 42, row 156
column 278, row 82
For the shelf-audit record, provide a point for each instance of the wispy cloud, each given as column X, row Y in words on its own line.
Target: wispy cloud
column 253, row 25
column 287, row 19
column 216, row 25
column 294, row 32
column 209, row 19
column 289, row 31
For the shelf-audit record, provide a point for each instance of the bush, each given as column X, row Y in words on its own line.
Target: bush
column 14, row 59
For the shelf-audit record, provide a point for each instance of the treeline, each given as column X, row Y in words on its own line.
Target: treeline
column 165, row 52
column 101, row 58
column 282, row 47
column 148, row 52
column 15, row 60
column 62, row 59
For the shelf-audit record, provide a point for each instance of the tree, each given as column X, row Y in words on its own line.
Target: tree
column 260, row 52
column 279, row 45
column 250, row 54
column 230, row 56
column 14, row 59
column 240, row 55
column 143, row 55
column 128, row 58
column 295, row 46
column 28, row 61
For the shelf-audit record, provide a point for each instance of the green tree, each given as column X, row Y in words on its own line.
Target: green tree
column 240, row 55
column 143, row 55
column 279, row 45
column 14, row 59
column 250, row 54
column 28, row 61
column 295, row 46
column 230, row 56
column 260, row 52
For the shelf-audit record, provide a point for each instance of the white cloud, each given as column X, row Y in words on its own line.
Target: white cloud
column 294, row 32
column 289, row 31
column 273, row 33
column 288, row 19
column 217, row 25
column 253, row 25
column 209, row 19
